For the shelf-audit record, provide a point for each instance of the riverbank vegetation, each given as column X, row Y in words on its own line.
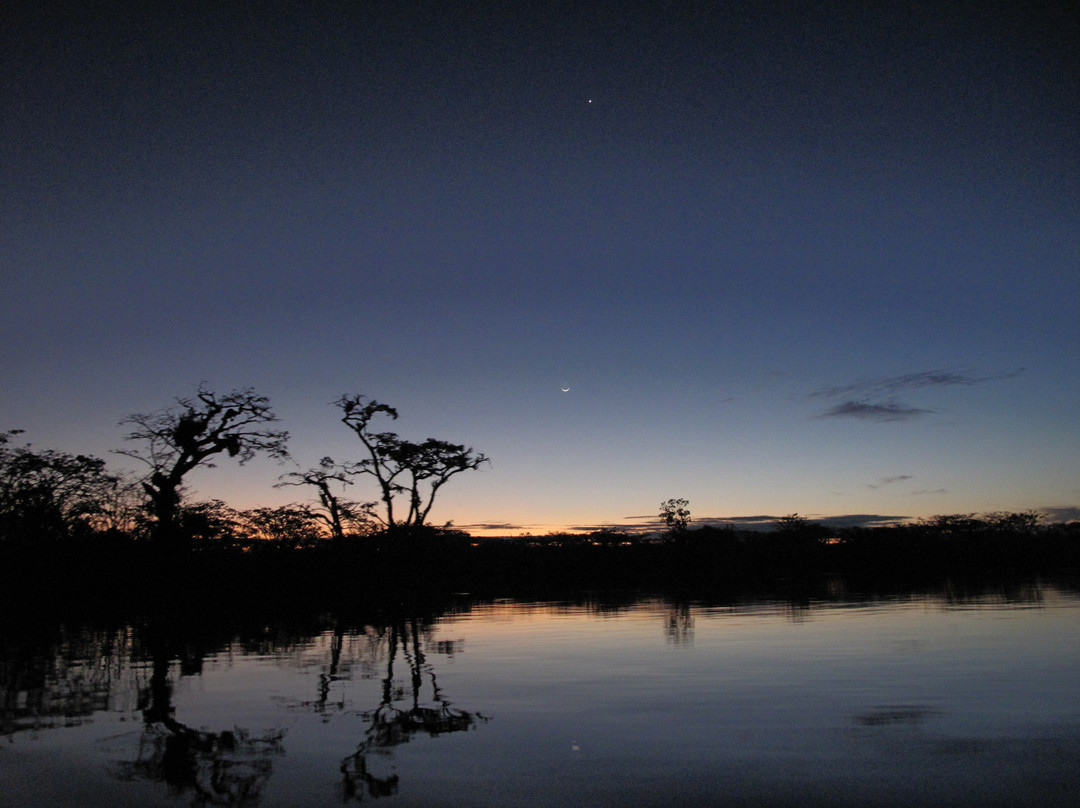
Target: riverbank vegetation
column 71, row 528
column 113, row 567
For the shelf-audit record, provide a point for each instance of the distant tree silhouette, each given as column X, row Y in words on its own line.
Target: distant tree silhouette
column 179, row 439
column 335, row 511
column 210, row 523
column 791, row 524
column 48, row 494
column 286, row 526
column 119, row 509
column 608, row 536
column 797, row 541
column 953, row 524
column 415, row 470
column 676, row 514
column 1021, row 523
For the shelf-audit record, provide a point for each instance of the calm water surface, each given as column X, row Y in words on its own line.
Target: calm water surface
column 914, row 700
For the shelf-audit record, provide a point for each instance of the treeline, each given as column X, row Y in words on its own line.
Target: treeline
column 49, row 497
column 991, row 545
column 69, row 523
column 224, row 566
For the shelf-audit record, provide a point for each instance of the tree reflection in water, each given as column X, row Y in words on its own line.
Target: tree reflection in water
column 679, row 624
column 402, row 713
column 52, row 678
column 216, row 768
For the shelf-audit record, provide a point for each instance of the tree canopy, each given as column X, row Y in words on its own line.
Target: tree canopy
column 47, row 493
column 179, row 439
column 401, row 467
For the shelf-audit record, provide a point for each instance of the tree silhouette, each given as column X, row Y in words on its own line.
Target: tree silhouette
column 47, row 494
column 285, row 526
column 209, row 522
column 336, row 512
column 792, row 524
column 676, row 514
column 179, row 439
column 416, row 470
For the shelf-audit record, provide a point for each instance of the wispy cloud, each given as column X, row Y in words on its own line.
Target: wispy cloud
column 886, row 411
column 1061, row 514
column 899, row 478
column 875, row 400
column 837, row 521
column 507, row 526
column 651, row 524
column 927, row 492
column 910, row 381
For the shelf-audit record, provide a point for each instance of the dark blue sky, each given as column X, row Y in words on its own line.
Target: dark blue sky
column 813, row 257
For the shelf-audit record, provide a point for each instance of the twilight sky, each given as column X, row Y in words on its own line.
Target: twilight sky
column 788, row 256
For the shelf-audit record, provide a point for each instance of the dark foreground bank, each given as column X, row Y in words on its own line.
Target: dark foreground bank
column 105, row 571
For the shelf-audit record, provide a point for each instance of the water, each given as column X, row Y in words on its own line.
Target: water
column 906, row 700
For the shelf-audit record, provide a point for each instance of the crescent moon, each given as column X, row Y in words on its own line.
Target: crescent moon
column 565, row 389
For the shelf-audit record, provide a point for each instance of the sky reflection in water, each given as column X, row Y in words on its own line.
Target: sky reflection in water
column 911, row 701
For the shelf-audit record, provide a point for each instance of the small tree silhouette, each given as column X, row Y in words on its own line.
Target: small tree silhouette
column 336, row 512
column 676, row 514
column 792, row 524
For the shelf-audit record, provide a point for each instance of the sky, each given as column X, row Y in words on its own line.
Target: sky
column 788, row 257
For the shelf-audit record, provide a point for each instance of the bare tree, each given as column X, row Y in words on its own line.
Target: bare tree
column 415, row 470
column 179, row 439
column 336, row 512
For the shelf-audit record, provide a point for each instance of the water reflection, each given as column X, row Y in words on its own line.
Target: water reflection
column 686, row 694
column 402, row 712
column 679, row 624
column 226, row 767
column 56, row 678
column 59, row 680
column 910, row 714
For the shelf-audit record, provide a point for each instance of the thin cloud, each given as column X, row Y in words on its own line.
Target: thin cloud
column 927, row 492
column 899, row 478
column 862, row 520
column 887, row 411
column 764, row 523
column 491, row 526
column 751, row 520
column 910, row 381
column 1061, row 514
column 761, row 522
column 874, row 400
